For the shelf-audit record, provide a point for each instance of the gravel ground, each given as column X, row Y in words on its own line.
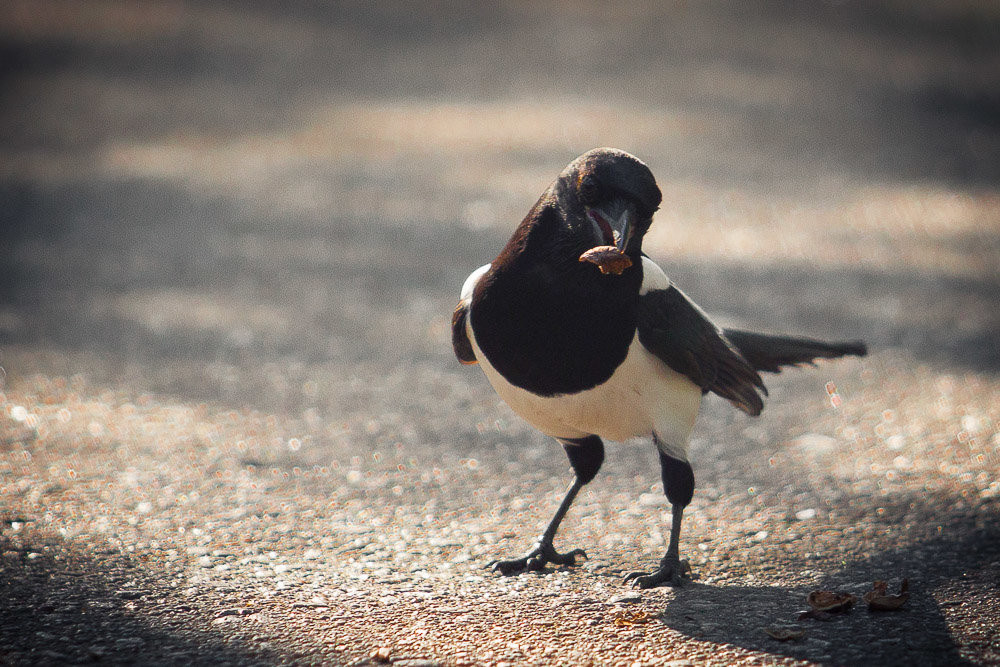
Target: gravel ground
column 231, row 426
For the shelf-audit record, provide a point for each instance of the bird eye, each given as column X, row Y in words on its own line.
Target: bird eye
column 588, row 189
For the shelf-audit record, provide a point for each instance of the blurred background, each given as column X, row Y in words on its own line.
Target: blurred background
column 232, row 233
column 195, row 191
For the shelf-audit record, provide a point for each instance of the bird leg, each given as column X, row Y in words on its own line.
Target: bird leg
column 543, row 552
column 586, row 456
column 672, row 568
column 678, row 485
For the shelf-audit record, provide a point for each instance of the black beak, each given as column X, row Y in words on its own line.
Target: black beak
column 613, row 222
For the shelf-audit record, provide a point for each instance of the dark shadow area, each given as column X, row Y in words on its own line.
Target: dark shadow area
column 967, row 549
column 88, row 264
column 66, row 276
column 63, row 605
column 892, row 91
column 142, row 274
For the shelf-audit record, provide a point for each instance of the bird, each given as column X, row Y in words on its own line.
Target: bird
column 587, row 339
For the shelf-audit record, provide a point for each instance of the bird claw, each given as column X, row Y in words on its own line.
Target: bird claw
column 535, row 560
column 670, row 572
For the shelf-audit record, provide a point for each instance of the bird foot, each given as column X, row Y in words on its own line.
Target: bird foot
column 540, row 555
column 670, row 572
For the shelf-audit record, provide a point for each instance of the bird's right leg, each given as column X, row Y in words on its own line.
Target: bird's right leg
column 678, row 484
column 586, row 456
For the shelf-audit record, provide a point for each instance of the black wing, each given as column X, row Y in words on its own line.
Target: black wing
column 459, row 338
column 679, row 333
column 770, row 353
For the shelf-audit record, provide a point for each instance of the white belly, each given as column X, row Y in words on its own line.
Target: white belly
column 643, row 396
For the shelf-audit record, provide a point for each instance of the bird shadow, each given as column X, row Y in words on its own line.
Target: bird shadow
column 919, row 632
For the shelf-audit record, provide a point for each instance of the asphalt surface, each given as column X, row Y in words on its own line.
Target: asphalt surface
column 231, row 427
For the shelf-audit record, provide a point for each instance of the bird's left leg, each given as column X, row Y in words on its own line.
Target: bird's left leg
column 678, row 484
column 586, row 456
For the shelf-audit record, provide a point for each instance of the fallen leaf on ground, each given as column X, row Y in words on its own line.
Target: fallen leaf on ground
column 627, row 618
column 831, row 601
column 878, row 598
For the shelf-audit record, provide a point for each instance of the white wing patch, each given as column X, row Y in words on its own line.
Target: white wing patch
column 470, row 283
column 653, row 277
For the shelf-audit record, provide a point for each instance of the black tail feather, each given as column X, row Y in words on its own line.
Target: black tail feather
column 771, row 353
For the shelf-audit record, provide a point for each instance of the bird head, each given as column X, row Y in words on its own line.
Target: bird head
column 608, row 198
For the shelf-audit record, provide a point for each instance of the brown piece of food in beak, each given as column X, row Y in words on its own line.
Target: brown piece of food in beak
column 608, row 259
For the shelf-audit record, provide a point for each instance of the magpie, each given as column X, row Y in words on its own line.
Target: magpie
column 587, row 339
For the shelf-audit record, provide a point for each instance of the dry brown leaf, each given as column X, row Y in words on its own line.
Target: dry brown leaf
column 830, row 601
column 626, row 619
column 879, row 599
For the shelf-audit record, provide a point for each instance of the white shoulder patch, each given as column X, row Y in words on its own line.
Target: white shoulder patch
column 470, row 282
column 653, row 277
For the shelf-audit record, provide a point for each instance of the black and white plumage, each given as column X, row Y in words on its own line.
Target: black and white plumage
column 585, row 355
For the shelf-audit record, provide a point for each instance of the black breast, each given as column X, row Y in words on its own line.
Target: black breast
column 555, row 326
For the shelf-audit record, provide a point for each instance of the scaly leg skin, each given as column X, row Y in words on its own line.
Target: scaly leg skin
column 543, row 552
column 670, row 572
column 672, row 569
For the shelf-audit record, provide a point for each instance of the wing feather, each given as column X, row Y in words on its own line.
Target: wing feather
column 681, row 335
column 770, row 353
column 460, row 336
